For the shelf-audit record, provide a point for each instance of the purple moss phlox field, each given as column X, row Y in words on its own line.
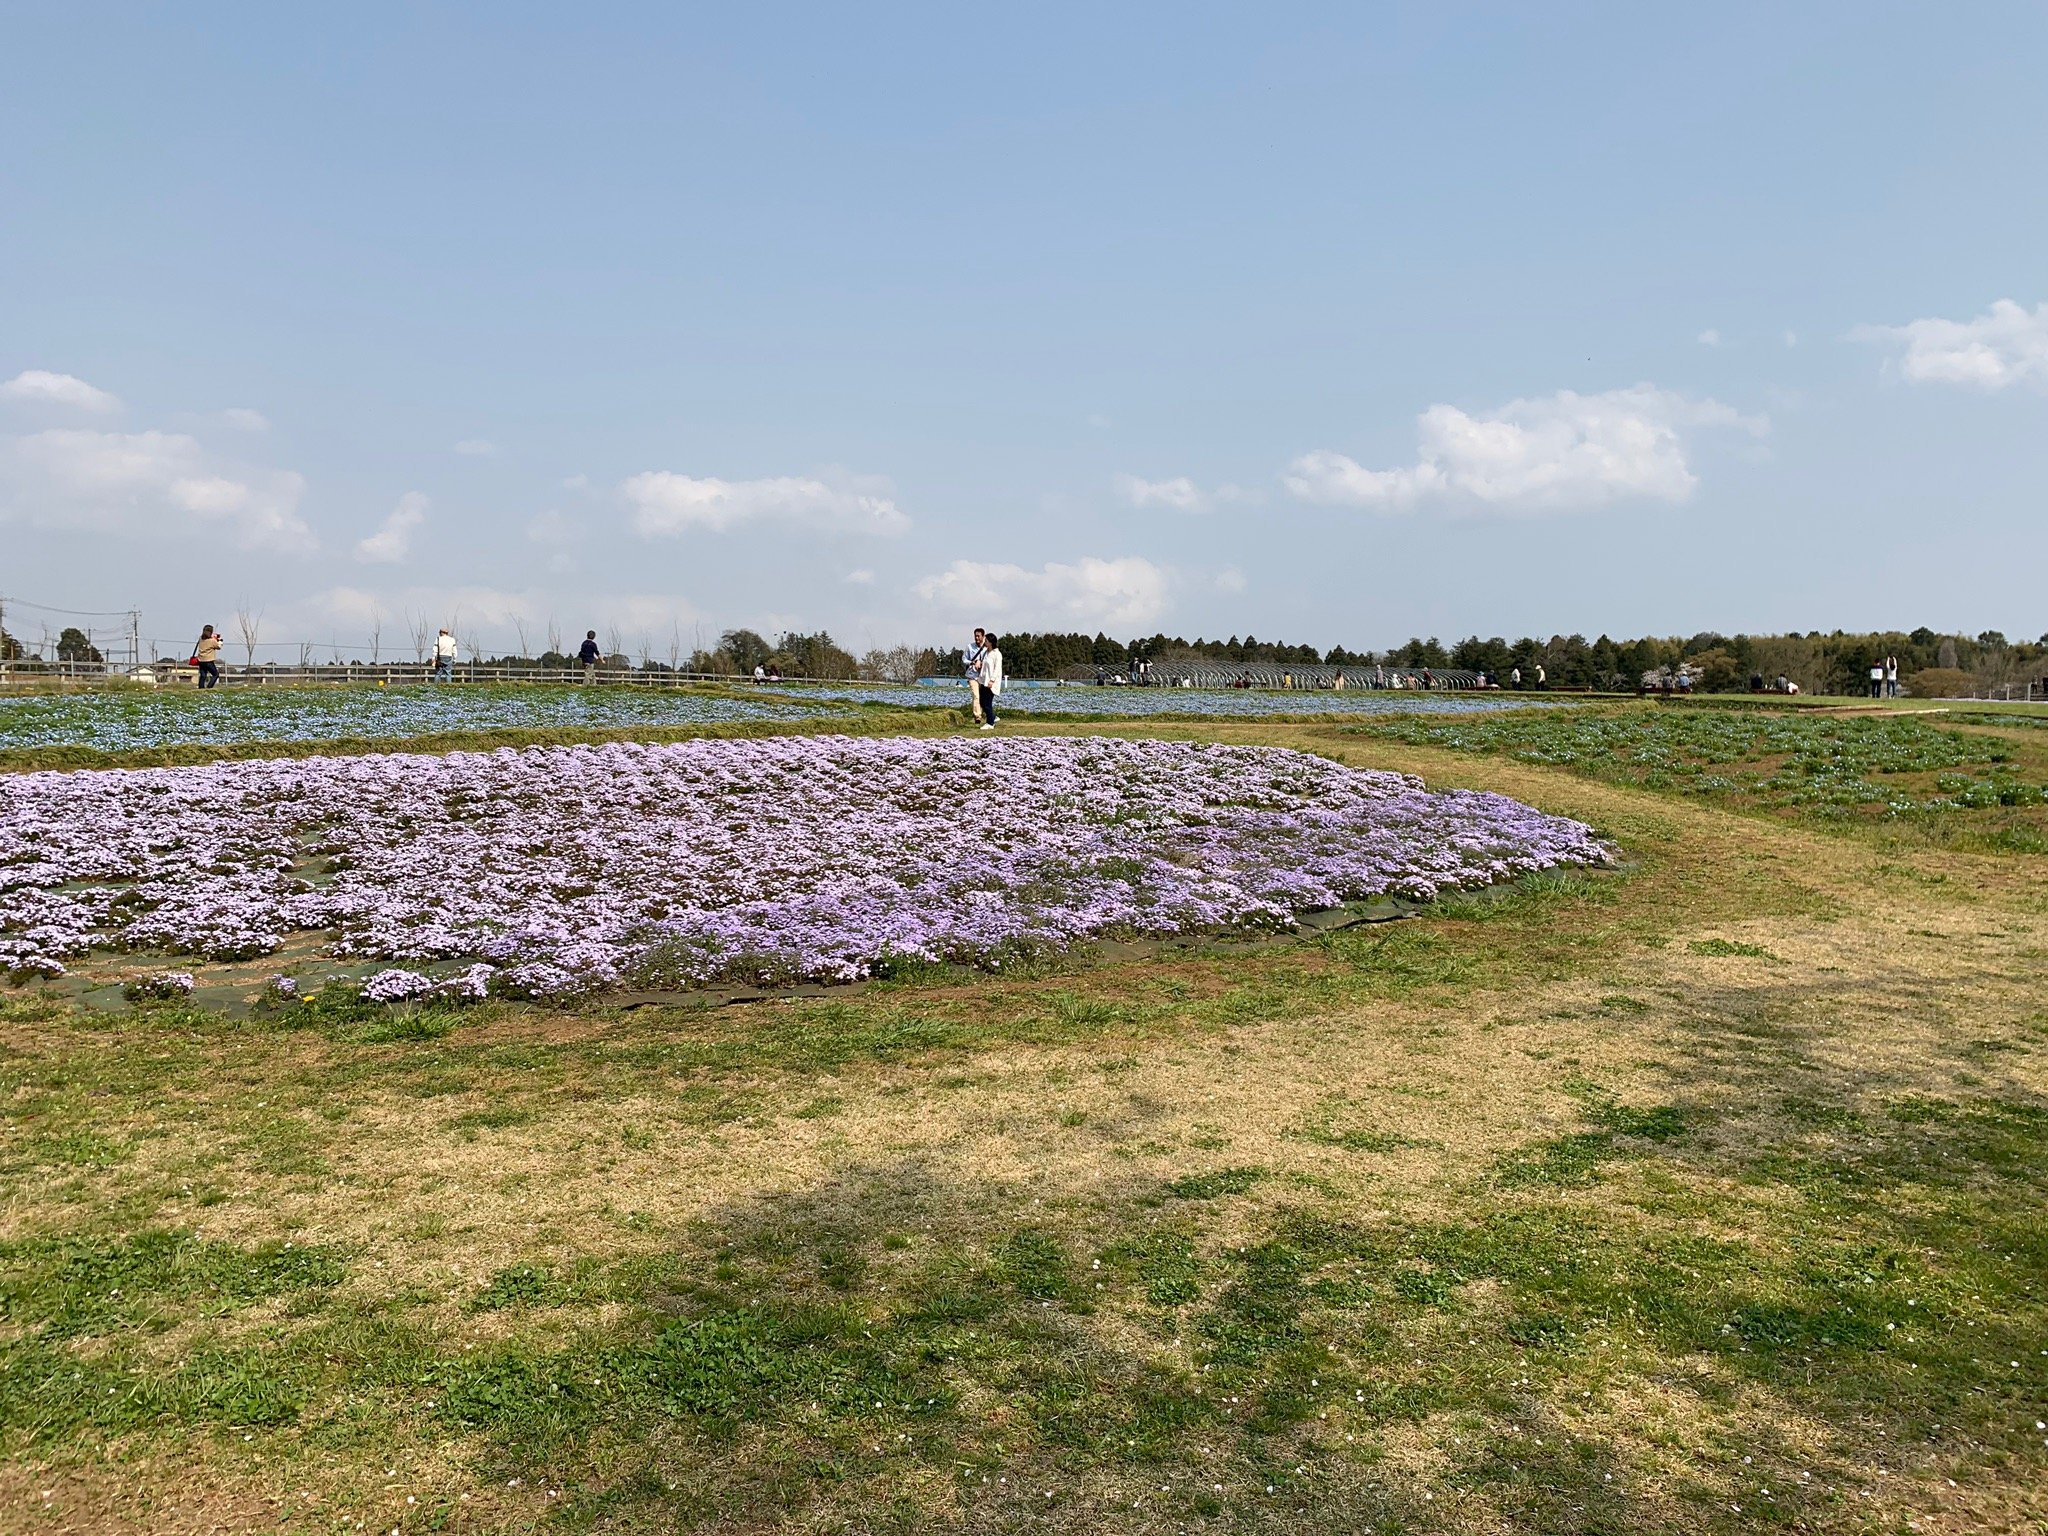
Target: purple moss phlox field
column 560, row 870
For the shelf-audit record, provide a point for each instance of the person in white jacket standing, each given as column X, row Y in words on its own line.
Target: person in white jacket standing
column 988, row 680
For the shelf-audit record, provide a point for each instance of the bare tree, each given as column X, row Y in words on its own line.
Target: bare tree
column 422, row 631
column 646, row 650
column 675, row 645
column 554, row 635
column 615, row 644
column 1998, row 669
column 305, row 654
column 376, row 636
column 898, row 664
column 250, row 622
column 471, row 646
column 519, row 629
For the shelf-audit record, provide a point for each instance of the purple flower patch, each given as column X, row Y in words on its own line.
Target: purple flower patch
column 561, row 870
column 165, row 984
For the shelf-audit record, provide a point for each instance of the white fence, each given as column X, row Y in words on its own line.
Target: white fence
column 32, row 673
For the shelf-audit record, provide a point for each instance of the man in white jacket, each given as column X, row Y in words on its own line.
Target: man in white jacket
column 444, row 657
column 988, row 680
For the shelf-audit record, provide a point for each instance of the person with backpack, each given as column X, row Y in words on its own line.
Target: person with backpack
column 444, row 657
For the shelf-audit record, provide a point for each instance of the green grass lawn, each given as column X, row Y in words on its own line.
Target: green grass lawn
column 1706, row 1195
column 1882, row 769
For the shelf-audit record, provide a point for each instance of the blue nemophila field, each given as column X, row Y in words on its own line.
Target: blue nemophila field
column 113, row 723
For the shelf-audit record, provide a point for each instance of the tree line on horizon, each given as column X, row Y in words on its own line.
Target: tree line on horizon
column 1836, row 662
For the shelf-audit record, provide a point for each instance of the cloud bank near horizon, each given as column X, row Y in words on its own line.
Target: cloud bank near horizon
column 1552, row 453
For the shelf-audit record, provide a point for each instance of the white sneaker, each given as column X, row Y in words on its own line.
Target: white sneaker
column 986, row 726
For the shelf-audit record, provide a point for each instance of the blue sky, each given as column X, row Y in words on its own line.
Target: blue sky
column 1328, row 323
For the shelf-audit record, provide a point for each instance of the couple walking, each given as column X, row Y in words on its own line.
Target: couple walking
column 984, row 677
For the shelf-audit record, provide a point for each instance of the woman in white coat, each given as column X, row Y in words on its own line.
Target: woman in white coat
column 988, row 680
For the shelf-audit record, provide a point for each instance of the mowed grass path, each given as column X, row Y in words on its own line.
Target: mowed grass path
column 1705, row 1196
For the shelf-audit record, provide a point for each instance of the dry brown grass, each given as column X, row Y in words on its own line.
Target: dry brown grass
column 1877, row 979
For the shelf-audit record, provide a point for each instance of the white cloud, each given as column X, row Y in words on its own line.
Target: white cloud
column 648, row 616
column 392, row 542
column 39, row 387
column 861, row 578
column 1710, row 337
column 551, row 527
column 1230, row 579
column 490, row 616
column 2007, row 344
column 557, row 532
column 665, row 503
column 1123, row 593
column 242, row 419
column 1791, row 338
column 1180, row 493
column 483, row 615
column 1563, row 450
column 145, row 483
column 576, row 483
column 477, row 448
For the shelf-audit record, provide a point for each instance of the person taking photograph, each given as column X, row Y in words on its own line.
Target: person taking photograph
column 206, row 657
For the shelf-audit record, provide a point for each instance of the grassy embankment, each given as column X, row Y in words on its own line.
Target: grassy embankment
column 1707, row 1196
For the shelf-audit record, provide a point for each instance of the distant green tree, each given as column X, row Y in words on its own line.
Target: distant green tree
column 75, row 645
column 814, row 656
column 1716, row 670
column 741, row 650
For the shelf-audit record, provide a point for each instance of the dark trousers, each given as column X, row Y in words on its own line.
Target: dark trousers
column 988, row 703
column 209, row 674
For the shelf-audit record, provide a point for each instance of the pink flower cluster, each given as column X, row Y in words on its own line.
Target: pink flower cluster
column 560, row 870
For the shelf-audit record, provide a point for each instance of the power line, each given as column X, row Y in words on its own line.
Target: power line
column 74, row 613
column 128, row 629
